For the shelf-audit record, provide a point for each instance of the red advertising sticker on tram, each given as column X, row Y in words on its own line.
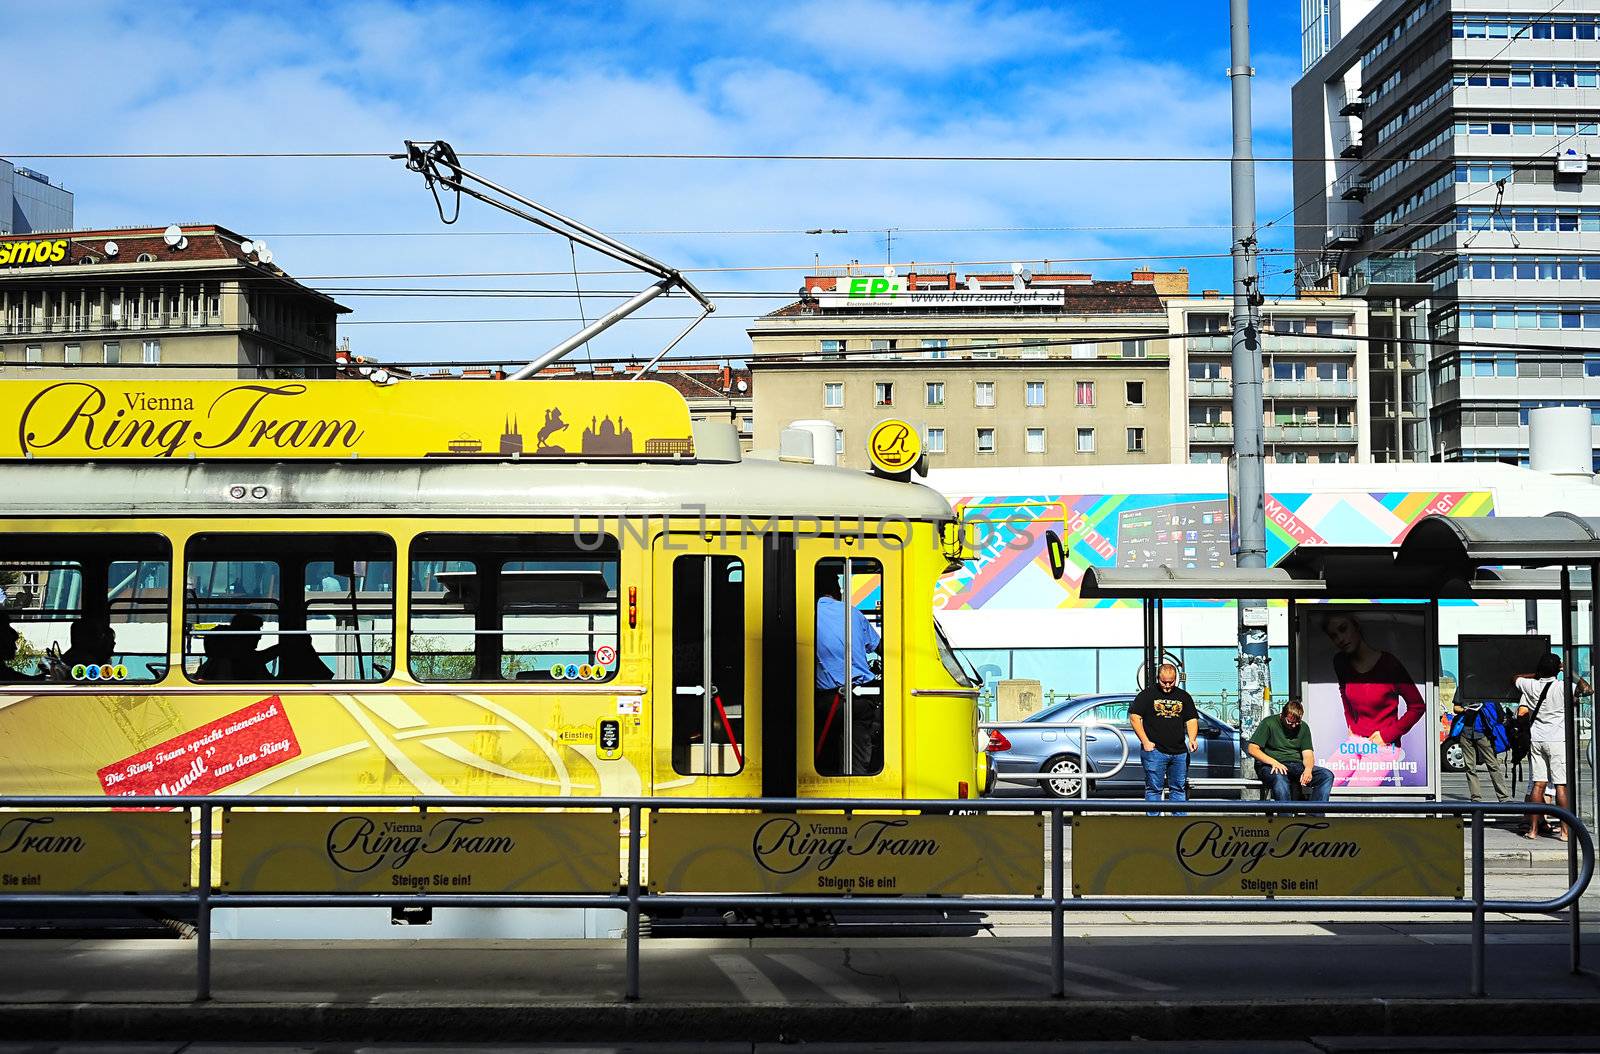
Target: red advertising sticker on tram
column 209, row 758
column 605, row 655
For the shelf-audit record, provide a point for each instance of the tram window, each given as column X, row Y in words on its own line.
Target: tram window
column 289, row 607
column 514, row 607
column 849, row 709
column 708, row 673
column 83, row 608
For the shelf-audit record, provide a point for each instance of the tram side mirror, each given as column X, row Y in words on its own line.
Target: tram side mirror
column 959, row 540
column 1057, row 552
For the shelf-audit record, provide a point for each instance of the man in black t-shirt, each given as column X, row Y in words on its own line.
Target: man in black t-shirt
column 1167, row 724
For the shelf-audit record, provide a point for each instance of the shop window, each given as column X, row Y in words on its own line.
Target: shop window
column 84, row 608
column 514, row 607
column 289, row 607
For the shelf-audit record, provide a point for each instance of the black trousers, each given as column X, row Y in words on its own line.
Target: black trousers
column 866, row 733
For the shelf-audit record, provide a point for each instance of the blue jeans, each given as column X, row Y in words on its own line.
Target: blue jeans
column 1165, row 771
column 1281, row 787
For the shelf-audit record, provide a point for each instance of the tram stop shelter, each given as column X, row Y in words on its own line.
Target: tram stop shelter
column 1442, row 560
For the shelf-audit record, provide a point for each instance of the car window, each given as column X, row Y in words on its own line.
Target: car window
column 1114, row 712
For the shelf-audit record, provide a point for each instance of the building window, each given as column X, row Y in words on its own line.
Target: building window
column 935, row 393
column 833, row 349
column 113, row 351
column 1035, row 351
column 1035, row 393
column 984, row 347
column 833, row 394
column 72, row 354
column 937, row 347
column 1085, row 440
column 1083, row 351
column 152, row 353
column 1035, row 441
column 983, row 393
column 1085, row 393
column 838, row 441
column 935, row 440
column 33, row 355
column 1133, row 349
column 1136, row 440
column 985, row 440
column 883, row 393
column 1135, row 390
column 885, row 348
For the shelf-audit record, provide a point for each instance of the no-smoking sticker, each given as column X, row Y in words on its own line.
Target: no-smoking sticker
column 605, row 655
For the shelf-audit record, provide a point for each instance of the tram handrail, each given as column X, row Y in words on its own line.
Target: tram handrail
column 1082, row 728
column 632, row 898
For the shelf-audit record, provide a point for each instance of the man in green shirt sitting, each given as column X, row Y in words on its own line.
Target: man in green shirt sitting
column 1282, row 750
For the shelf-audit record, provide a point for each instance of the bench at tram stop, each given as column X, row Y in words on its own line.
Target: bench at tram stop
column 1244, row 785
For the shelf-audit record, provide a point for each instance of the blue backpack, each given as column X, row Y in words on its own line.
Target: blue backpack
column 1490, row 719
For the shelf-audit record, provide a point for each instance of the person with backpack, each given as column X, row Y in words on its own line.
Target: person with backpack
column 1482, row 732
column 1541, row 722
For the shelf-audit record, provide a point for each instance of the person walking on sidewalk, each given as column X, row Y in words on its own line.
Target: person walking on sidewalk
column 1168, row 726
column 1482, row 732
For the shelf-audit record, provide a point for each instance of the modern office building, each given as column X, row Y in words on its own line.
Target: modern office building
column 1443, row 166
column 113, row 303
column 29, row 202
column 996, row 369
column 1315, row 385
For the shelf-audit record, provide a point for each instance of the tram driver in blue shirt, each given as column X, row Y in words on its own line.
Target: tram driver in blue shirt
column 865, row 642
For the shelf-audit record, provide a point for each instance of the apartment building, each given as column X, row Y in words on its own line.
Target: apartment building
column 114, row 303
column 997, row 369
column 1316, row 391
column 1443, row 164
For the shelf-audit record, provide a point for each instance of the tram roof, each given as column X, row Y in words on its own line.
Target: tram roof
column 465, row 488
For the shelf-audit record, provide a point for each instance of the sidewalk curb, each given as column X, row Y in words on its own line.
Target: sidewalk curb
column 799, row 1022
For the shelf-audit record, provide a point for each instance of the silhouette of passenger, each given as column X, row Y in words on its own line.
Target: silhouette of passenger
column 232, row 655
column 298, row 660
column 93, row 644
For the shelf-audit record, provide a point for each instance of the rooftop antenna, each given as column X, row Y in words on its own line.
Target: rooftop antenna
column 440, row 167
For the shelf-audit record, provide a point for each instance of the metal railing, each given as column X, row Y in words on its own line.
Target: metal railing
column 632, row 898
column 1082, row 728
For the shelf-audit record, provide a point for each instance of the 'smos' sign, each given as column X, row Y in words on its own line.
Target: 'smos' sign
column 861, row 855
column 1273, row 856
column 389, row 852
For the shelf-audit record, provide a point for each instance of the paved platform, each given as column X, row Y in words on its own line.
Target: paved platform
column 1152, row 979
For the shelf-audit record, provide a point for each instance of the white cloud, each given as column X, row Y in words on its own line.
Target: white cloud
column 910, row 35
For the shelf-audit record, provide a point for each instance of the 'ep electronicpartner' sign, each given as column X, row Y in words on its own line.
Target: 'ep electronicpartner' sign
column 892, row 292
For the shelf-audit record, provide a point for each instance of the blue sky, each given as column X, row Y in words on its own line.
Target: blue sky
column 870, row 76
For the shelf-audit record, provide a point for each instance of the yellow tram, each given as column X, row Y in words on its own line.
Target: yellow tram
column 444, row 587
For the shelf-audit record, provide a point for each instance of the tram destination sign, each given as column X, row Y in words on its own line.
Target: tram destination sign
column 94, row 852
column 77, row 420
column 408, row 852
column 1271, row 856
column 861, row 855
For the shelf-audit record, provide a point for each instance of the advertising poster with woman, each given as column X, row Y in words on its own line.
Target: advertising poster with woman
column 1368, row 680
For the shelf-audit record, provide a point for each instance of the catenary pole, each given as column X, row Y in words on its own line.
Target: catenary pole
column 1249, row 496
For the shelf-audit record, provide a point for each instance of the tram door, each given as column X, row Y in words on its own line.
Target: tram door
column 707, row 665
column 849, row 668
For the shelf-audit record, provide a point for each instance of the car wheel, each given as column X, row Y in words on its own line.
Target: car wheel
column 1453, row 757
column 1066, row 776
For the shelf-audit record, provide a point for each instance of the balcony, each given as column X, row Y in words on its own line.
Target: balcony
column 1388, row 277
column 1350, row 148
column 1354, row 106
column 1309, row 389
column 67, row 325
column 1210, row 388
column 1219, row 344
column 1343, row 236
column 1211, row 434
column 1301, row 432
column 1354, row 188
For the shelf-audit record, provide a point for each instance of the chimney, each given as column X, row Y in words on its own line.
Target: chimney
column 1144, row 274
column 1212, row 294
